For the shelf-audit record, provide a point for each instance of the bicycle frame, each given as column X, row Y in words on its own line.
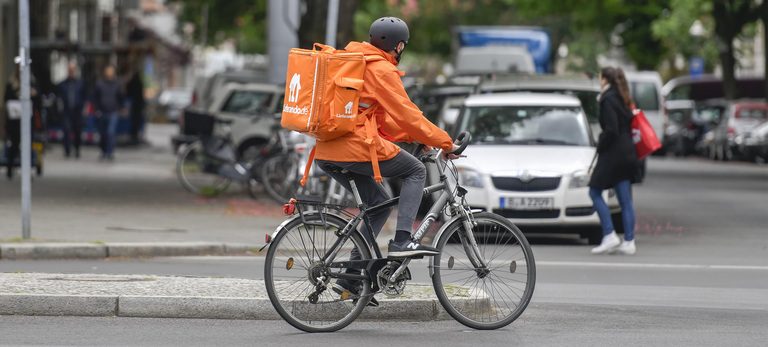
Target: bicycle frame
column 446, row 198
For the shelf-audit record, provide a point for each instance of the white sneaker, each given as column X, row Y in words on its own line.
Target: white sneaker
column 609, row 242
column 626, row 247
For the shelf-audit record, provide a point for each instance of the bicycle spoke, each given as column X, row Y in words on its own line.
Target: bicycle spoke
column 496, row 294
column 299, row 285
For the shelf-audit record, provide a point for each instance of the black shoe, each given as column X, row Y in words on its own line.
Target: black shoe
column 409, row 249
column 353, row 287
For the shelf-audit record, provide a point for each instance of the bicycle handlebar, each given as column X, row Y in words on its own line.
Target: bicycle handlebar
column 462, row 141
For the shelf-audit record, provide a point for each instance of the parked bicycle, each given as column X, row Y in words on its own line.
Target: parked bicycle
column 484, row 275
column 282, row 172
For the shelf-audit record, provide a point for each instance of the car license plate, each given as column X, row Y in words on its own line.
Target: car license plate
column 527, row 203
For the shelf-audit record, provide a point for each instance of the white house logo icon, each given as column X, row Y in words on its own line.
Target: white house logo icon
column 295, row 87
column 348, row 108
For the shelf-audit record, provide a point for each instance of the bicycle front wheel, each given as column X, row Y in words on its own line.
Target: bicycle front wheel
column 299, row 283
column 492, row 293
column 196, row 172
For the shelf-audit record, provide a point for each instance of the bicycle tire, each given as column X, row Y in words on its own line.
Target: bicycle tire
column 190, row 164
column 297, row 247
column 280, row 175
column 484, row 300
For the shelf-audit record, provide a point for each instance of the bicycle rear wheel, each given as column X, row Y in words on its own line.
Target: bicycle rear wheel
column 492, row 296
column 292, row 268
column 195, row 171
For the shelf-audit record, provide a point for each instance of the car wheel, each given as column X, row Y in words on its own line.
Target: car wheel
column 618, row 222
column 594, row 236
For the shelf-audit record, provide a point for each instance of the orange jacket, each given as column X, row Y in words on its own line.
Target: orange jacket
column 397, row 118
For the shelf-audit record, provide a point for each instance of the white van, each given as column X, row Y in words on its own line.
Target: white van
column 645, row 87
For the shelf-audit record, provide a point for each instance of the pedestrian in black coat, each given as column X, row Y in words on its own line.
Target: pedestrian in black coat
column 617, row 163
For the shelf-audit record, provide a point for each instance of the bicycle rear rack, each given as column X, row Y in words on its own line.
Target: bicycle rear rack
column 305, row 203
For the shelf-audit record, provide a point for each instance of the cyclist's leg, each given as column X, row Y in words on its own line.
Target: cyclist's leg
column 404, row 166
column 371, row 192
column 413, row 173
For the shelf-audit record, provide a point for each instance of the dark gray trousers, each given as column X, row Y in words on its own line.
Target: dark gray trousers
column 404, row 166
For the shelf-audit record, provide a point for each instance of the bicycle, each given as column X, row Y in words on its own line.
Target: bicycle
column 281, row 173
column 209, row 164
column 484, row 275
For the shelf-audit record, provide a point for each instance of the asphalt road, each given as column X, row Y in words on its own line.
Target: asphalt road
column 700, row 277
column 541, row 325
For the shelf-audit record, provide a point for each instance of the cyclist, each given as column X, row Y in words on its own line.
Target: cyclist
column 398, row 120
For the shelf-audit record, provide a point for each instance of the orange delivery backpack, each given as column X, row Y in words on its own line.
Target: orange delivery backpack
column 322, row 94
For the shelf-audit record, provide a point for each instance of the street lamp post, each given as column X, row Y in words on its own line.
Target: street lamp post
column 26, row 122
column 696, row 65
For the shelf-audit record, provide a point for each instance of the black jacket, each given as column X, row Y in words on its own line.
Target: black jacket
column 108, row 96
column 617, row 157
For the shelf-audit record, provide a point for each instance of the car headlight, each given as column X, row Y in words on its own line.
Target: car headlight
column 470, row 178
column 579, row 179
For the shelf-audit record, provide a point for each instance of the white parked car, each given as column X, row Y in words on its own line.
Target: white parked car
column 254, row 109
column 529, row 160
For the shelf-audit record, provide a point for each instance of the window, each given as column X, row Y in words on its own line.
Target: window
column 752, row 113
column 645, row 96
column 247, row 102
column 531, row 125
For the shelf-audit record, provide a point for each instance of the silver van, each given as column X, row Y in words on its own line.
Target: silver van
column 645, row 87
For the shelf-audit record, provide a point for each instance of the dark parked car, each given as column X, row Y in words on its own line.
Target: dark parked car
column 711, row 87
column 687, row 124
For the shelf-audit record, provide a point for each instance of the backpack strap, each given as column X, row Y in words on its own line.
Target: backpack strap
column 370, row 132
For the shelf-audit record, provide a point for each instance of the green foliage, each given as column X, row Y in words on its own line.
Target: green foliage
column 650, row 31
column 241, row 20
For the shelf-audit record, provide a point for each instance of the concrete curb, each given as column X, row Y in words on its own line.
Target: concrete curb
column 196, row 307
column 69, row 250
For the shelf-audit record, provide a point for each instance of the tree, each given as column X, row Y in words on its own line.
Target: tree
column 730, row 17
column 314, row 23
column 241, row 20
column 764, row 17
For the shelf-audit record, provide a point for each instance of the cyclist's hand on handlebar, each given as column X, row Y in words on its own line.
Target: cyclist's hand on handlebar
column 450, row 155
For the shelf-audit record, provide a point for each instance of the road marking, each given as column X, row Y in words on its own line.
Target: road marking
column 653, row 266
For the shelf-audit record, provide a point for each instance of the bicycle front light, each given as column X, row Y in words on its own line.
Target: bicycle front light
column 579, row 179
column 470, row 178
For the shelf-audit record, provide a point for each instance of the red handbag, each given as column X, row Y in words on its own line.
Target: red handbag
column 643, row 135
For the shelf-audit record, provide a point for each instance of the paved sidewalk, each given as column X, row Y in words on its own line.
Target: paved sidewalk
column 175, row 297
column 133, row 206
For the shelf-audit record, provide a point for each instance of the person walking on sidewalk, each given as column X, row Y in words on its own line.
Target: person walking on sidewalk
column 12, row 128
column 617, row 163
column 72, row 100
column 108, row 101
column 135, row 92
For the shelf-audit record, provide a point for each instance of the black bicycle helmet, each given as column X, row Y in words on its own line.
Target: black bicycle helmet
column 387, row 32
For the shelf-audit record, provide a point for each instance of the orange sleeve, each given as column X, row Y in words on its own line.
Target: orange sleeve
column 404, row 121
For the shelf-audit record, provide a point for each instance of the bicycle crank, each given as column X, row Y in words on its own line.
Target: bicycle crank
column 392, row 288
